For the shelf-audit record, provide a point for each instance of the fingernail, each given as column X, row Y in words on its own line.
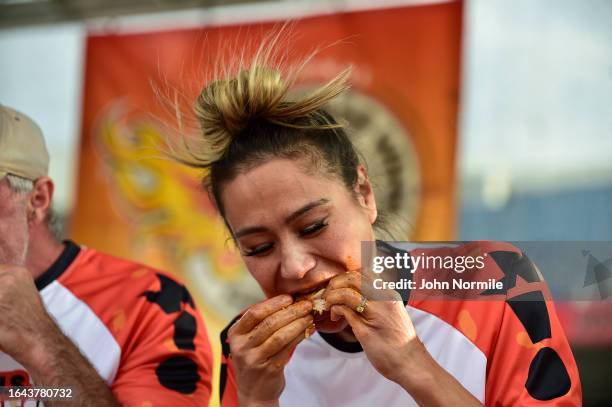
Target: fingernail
column 309, row 331
column 333, row 316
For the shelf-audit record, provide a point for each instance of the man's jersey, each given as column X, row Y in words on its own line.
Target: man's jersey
column 505, row 346
column 138, row 327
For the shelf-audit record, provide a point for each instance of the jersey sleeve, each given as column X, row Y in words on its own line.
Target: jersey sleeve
column 531, row 363
column 167, row 361
column 228, row 391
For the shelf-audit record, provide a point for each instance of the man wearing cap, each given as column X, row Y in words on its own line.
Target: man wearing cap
column 104, row 330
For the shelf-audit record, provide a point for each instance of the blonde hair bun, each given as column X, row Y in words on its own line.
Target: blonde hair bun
column 226, row 107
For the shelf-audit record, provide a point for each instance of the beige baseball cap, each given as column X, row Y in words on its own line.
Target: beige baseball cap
column 22, row 146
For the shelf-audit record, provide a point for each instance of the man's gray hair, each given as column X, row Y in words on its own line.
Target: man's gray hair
column 20, row 185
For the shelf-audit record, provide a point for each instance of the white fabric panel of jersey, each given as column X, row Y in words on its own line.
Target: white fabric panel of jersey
column 320, row 375
column 78, row 322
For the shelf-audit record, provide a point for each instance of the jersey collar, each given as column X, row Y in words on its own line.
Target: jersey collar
column 65, row 259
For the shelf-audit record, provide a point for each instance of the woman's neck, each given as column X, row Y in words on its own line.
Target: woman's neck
column 346, row 335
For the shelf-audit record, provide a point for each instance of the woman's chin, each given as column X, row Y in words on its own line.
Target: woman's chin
column 326, row 325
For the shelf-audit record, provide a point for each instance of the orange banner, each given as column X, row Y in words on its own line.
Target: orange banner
column 402, row 112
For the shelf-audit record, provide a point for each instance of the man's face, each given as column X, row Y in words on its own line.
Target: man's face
column 13, row 225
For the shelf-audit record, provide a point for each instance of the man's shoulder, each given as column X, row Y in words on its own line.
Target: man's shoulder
column 119, row 290
column 97, row 267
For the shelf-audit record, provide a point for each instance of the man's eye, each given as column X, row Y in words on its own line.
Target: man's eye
column 314, row 228
column 258, row 249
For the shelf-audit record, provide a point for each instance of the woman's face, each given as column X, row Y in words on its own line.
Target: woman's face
column 297, row 230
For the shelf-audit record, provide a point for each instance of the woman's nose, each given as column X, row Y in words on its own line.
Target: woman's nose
column 296, row 263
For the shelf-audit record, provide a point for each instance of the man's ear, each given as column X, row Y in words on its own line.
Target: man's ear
column 40, row 200
column 365, row 193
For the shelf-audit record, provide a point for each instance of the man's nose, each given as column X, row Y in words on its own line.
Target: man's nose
column 296, row 263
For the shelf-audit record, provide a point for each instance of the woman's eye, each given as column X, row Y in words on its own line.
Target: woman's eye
column 314, row 228
column 258, row 249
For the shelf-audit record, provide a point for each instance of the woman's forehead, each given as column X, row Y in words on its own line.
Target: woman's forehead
column 274, row 178
column 278, row 187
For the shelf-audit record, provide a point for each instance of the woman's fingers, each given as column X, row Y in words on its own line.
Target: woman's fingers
column 343, row 296
column 259, row 312
column 345, row 312
column 363, row 283
column 357, row 281
column 283, row 337
column 350, row 279
column 276, row 321
column 279, row 360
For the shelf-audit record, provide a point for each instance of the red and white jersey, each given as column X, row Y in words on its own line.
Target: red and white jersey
column 138, row 327
column 506, row 351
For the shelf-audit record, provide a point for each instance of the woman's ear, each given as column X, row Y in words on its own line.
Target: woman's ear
column 365, row 193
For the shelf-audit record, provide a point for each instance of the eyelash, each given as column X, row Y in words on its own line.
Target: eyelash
column 307, row 231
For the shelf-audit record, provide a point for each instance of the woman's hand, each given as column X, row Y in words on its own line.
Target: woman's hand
column 389, row 340
column 384, row 328
column 261, row 343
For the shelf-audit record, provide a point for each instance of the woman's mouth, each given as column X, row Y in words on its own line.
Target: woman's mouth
column 321, row 310
column 319, row 305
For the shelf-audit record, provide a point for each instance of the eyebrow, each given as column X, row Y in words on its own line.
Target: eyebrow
column 296, row 214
